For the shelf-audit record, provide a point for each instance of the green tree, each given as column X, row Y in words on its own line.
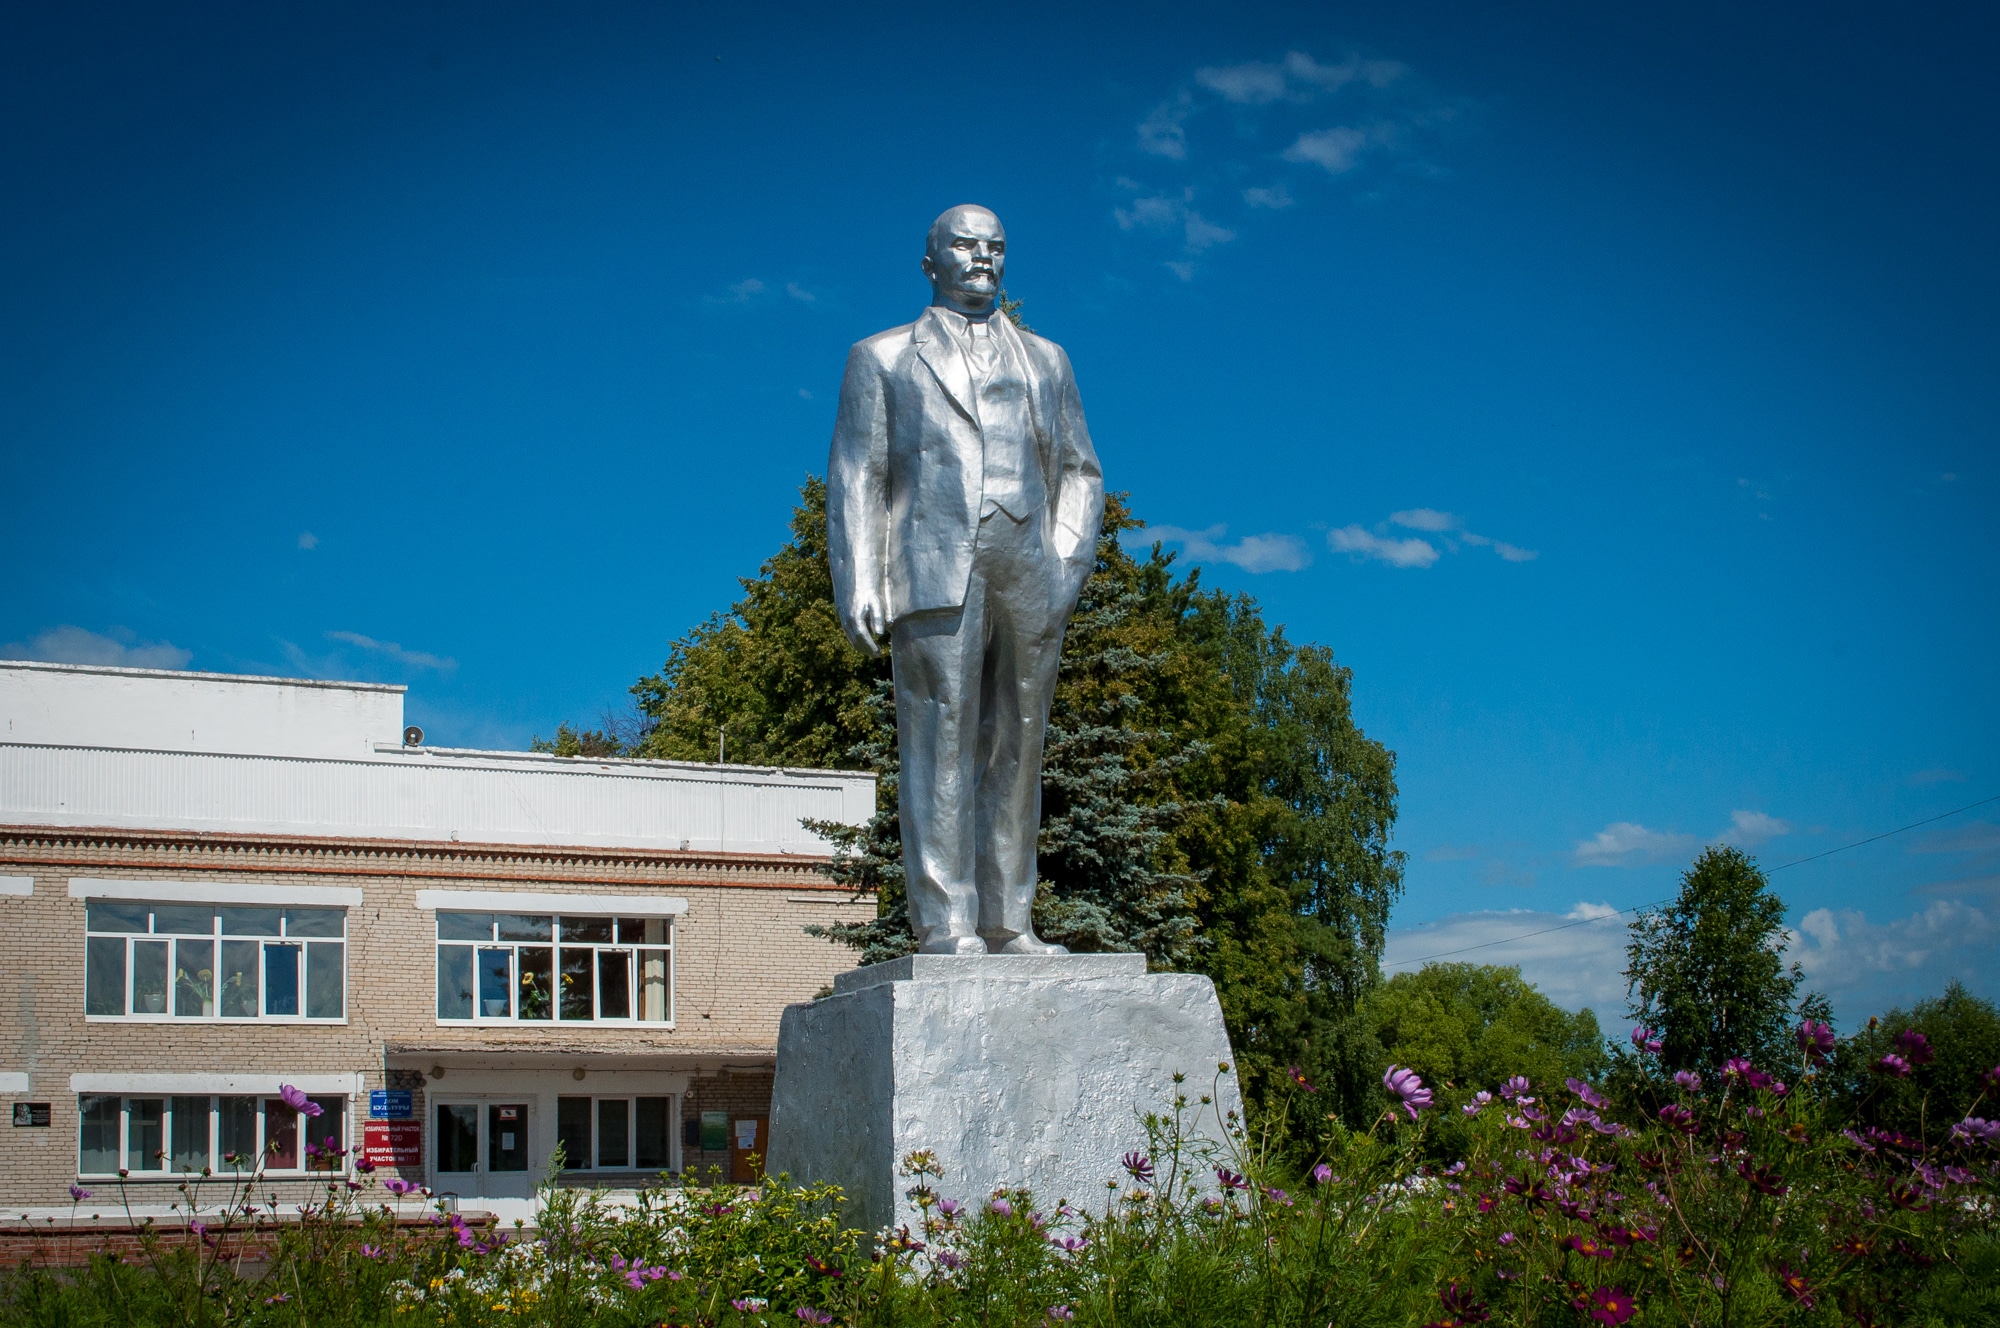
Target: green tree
column 1470, row 1027
column 1962, row 1034
column 572, row 741
column 1707, row 972
column 1208, row 800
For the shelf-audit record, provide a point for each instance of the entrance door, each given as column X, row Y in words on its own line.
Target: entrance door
column 482, row 1149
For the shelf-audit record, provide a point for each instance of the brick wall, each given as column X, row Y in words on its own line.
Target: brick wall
column 740, row 957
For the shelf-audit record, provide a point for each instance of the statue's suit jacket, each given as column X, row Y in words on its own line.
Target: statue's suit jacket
column 905, row 480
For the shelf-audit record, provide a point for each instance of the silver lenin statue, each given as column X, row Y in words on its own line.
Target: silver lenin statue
column 963, row 506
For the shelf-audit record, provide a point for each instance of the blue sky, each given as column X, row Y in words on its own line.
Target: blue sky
column 1615, row 392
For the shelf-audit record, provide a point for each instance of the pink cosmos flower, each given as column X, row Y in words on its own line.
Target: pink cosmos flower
column 1688, row 1080
column 807, row 1314
column 1591, row 1097
column 1478, row 1103
column 1322, row 1173
column 1973, row 1130
column 1893, row 1064
column 1916, row 1048
column 78, row 1194
column 1815, row 1039
column 1002, row 1207
column 1612, row 1305
column 1516, row 1089
column 1138, row 1165
column 298, row 1101
column 1408, row 1088
column 1646, row 1040
column 1230, row 1180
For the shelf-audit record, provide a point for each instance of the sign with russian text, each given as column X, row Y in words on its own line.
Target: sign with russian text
column 393, row 1143
column 390, row 1104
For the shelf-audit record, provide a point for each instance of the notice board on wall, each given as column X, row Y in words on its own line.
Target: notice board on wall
column 393, row 1143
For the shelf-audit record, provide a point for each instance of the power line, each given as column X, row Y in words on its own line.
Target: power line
column 1605, row 917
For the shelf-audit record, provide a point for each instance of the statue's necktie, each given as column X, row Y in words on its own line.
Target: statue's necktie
column 985, row 354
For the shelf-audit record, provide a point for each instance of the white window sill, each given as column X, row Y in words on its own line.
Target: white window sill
column 197, row 1020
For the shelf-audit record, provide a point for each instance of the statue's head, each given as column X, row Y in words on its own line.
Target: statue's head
column 965, row 257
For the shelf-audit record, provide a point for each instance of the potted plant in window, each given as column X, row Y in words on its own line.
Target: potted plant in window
column 534, row 998
column 202, row 985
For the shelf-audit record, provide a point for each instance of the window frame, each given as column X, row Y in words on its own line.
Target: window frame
column 216, row 938
column 555, row 945
column 217, row 1168
column 597, row 1167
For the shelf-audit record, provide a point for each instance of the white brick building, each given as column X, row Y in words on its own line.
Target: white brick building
column 212, row 885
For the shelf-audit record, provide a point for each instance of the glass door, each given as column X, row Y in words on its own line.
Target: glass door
column 455, row 1145
column 506, row 1175
column 481, row 1148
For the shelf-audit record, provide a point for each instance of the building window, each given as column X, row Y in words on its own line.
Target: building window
column 615, row 1133
column 169, row 1137
column 513, row 967
column 201, row 961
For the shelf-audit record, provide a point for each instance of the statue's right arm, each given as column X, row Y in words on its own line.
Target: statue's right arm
column 857, row 501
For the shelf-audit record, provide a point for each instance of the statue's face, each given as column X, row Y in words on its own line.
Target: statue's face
column 967, row 261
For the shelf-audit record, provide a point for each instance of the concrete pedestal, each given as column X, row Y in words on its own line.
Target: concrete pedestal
column 1018, row 1071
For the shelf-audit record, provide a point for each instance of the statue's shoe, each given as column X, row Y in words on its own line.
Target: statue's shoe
column 1028, row 945
column 953, row 945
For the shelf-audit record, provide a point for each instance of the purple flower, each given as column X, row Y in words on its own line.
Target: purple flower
column 1230, row 1180
column 1515, row 1090
column 1139, row 1165
column 1478, row 1103
column 1407, row 1087
column 1061, row 1314
column 1893, row 1064
column 1612, row 1305
column 363, row 1165
column 949, row 1207
column 1735, row 1067
column 371, row 1251
column 298, row 1101
column 1689, row 1081
column 1298, row 1077
column 1959, row 1176
column 749, row 1304
column 1322, row 1173
column 807, row 1314
column 1916, row 1048
column 1992, row 1077
column 1646, row 1040
column 1815, row 1039
column 1973, row 1129
column 1002, row 1207
column 1277, row 1196
column 397, row 1187
column 1073, row 1244
column 1508, row 1238
column 1591, row 1097
column 949, row 1259
column 78, row 1194
column 1677, row 1117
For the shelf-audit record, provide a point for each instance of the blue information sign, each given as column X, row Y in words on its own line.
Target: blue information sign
column 390, row 1104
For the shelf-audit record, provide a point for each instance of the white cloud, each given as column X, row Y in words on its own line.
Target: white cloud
column 1155, row 213
column 1749, row 829
column 1298, row 77
column 1274, row 198
column 1425, row 518
column 800, row 293
column 805, row 395
column 416, row 659
column 746, row 288
column 1185, row 271
column 1866, row 967
column 1514, row 554
column 1252, row 553
column 1973, row 837
column 1577, row 958
column 1337, row 149
column 1937, row 775
column 308, row 540
column 118, row 646
column 1396, row 552
column 1164, row 133
column 1202, row 233
column 1623, row 843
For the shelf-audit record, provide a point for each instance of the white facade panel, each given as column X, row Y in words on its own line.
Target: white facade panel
column 74, row 705
column 435, row 794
